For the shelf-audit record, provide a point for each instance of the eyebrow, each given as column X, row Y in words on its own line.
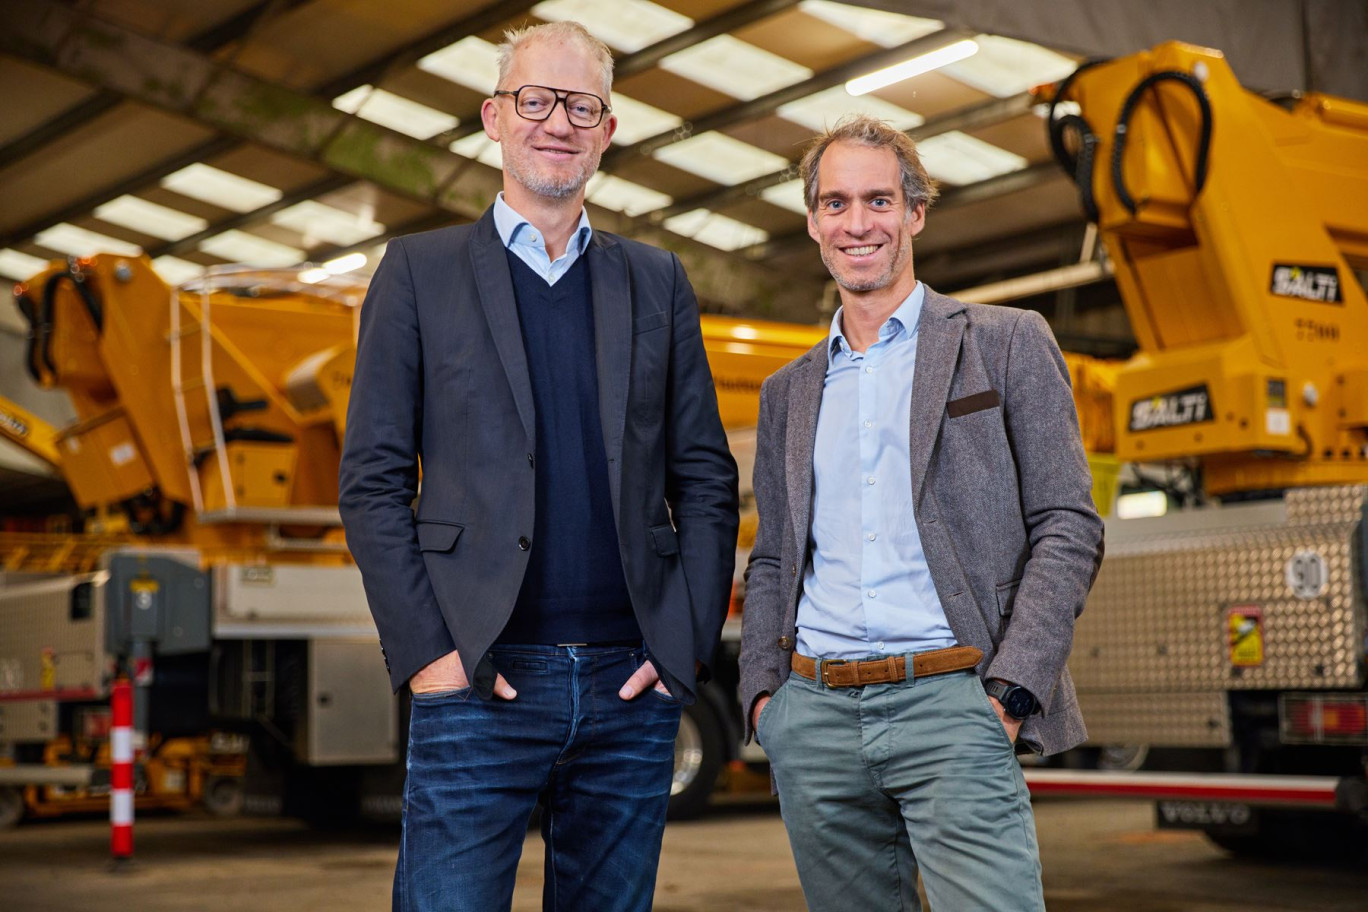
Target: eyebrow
column 869, row 194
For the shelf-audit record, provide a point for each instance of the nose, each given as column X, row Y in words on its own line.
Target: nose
column 858, row 219
column 558, row 124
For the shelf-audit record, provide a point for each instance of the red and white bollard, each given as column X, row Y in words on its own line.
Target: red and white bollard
column 121, row 771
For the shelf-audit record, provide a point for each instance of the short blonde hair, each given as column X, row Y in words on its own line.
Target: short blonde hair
column 861, row 129
column 567, row 32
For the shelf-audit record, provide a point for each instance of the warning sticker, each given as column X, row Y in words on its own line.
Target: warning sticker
column 1245, row 626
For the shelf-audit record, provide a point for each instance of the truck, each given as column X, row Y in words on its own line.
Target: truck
column 1221, row 659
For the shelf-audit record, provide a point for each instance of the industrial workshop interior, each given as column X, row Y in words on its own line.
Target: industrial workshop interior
column 329, row 529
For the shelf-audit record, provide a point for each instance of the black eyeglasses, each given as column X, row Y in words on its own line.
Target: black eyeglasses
column 538, row 102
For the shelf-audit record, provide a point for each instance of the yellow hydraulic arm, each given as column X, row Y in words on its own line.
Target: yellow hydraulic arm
column 1239, row 231
column 30, row 432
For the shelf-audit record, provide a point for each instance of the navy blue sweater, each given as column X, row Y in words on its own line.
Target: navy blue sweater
column 574, row 590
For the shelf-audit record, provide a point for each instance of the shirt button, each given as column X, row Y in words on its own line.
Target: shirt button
column 879, row 646
column 872, row 594
column 869, row 370
column 871, row 479
column 872, row 535
column 869, row 424
column 524, row 543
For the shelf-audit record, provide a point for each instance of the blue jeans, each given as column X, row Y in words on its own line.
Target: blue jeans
column 600, row 766
column 881, row 782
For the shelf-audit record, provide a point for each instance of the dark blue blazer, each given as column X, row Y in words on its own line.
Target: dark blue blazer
column 441, row 379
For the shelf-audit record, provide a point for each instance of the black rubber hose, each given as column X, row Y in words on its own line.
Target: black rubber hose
column 29, row 308
column 1123, row 129
column 1056, row 134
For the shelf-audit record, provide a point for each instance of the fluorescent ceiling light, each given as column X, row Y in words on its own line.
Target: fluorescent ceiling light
column 347, row 263
column 788, row 195
column 479, row 147
column 175, row 271
column 313, row 276
column 627, row 25
column 395, row 112
column 241, row 247
column 638, row 120
column 1006, row 67
column 1141, row 504
column 73, row 241
column 958, row 158
column 228, row 191
column 715, row 230
column 875, row 26
column 317, row 222
column 20, row 266
column 817, row 112
column 624, row 196
column 922, row 63
column 733, row 67
column 149, row 218
column 720, row 158
column 471, row 62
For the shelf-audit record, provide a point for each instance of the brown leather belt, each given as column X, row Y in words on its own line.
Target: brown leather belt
column 841, row 673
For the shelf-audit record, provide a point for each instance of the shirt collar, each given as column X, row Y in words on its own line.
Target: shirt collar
column 905, row 318
column 511, row 226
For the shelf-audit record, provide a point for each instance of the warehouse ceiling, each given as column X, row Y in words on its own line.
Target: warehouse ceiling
column 286, row 133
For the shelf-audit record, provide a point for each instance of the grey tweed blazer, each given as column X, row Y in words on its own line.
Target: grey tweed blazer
column 1002, row 496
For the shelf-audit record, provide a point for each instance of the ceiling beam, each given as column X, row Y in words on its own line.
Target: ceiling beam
column 647, row 57
column 190, row 84
column 768, row 104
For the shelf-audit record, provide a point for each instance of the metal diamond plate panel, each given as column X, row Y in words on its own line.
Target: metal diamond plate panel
column 1186, row 719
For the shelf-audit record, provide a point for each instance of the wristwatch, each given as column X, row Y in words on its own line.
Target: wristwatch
column 1017, row 701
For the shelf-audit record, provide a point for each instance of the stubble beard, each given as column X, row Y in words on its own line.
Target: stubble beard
column 551, row 185
column 874, row 283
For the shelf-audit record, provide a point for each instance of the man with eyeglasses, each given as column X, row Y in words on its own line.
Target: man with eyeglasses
column 562, row 585
column 926, row 538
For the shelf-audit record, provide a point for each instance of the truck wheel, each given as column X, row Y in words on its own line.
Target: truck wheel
column 11, row 806
column 223, row 795
column 698, row 760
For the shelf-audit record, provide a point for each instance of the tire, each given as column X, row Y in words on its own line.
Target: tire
column 11, row 806
column 224, row 796
column 698, row 760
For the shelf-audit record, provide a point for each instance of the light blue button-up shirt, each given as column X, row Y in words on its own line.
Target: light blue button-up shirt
column 519, row 236
column 868, row 590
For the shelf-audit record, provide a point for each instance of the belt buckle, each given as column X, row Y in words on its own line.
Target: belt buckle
column 826, row 663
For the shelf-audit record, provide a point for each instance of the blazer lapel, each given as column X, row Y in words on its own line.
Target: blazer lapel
column 938, row 345
column 489, row 264
column 611, row 289
column 804, row 404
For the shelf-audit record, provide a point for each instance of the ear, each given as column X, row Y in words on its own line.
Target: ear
column 489, row 116
column 812, row 227
column 609, row 128
column 917, row 218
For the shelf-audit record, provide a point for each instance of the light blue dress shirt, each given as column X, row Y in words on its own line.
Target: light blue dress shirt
column 868, row 590
column 519, row 236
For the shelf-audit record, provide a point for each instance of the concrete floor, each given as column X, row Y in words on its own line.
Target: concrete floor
column 1098, row 855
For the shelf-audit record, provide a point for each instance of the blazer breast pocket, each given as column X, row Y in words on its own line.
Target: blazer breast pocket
column 651, row 321
column 978, row 402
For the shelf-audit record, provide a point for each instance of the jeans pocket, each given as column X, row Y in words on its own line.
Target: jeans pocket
column 667, row 698
column 438, row 697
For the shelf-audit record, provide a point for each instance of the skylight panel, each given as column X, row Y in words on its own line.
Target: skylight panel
column 74, row 241
column 175, row 271
column 149, row 218
column 1005, row 67
column 471, row 62
column 638, row 120
column 735, row 68
column 788, row 195
column 395, row 112
column 958, row 158
column 720, row 158
column 20, row 266
column 479, row 147
column 715, row 230
column 624, row 196
column 317, row 222
column 241, row 247
column 817, row 112
column 228, row 191
column 875, row 26
column 626, row 25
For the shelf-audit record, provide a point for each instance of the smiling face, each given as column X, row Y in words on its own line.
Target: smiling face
column 862, row 223
column 551, row 159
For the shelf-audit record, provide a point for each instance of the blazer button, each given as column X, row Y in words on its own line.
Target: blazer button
column 523, row 543
column 785, row 643
column 793, row 571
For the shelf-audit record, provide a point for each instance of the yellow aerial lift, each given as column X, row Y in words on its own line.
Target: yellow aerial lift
column 1227, row 638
